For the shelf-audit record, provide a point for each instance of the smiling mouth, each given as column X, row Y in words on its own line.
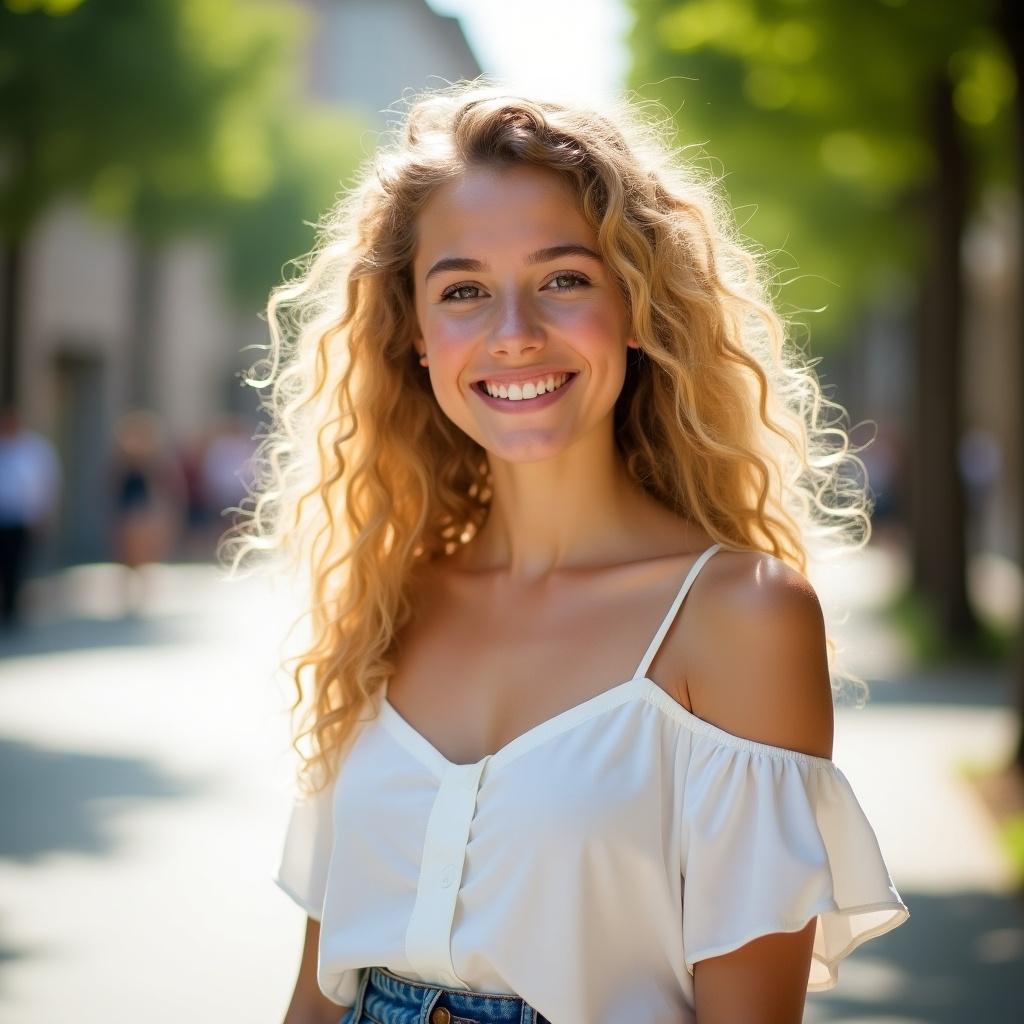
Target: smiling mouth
column 481, row 386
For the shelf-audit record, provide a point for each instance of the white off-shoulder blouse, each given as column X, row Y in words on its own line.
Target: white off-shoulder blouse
column 588, row 864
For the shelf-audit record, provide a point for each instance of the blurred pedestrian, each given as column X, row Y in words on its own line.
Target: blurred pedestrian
column 30, row 479
column 148, row 500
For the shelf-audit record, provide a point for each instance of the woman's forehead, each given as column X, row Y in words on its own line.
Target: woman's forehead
column 487, row 206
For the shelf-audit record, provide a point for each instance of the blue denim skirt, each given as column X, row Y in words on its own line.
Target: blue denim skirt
column 386, row 998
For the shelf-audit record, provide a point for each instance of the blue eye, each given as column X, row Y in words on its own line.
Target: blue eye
column 577, row 280
column 451, row 294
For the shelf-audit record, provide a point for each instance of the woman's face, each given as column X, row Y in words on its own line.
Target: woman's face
column 510, row 288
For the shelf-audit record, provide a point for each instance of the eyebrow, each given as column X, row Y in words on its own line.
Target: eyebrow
column 553, row 252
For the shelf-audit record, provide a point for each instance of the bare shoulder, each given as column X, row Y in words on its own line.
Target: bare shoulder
column 760, row 669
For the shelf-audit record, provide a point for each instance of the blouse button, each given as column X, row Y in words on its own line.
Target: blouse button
column 447, row 878
column 440, row 1015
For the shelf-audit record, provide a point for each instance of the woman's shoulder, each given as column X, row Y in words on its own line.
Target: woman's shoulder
column 746, row 579
column 761, row 668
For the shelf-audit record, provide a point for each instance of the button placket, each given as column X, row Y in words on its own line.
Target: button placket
column 428, row 937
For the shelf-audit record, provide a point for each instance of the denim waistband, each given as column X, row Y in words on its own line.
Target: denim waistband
column 387, row 998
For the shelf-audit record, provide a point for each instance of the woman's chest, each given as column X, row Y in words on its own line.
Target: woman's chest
column 479, row 667
column 601, row 778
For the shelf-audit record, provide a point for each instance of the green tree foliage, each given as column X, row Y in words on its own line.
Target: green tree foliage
column 313, row 151
column 172, row 115
column 817, row 115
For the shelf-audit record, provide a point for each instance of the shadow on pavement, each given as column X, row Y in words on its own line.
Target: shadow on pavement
column 956, row 960
column 962, row 686
column 55, row 800
column 79, row 634
column 60, row 801
column 9, row 958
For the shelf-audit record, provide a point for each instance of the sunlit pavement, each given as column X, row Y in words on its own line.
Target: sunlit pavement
column 147, row 769
column 147, row 783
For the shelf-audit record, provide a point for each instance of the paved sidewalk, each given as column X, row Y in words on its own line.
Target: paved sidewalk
column 959, row 958
column 148, row 767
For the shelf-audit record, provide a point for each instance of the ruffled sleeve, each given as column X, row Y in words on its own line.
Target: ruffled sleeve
column 772, row 838
column 305, row 858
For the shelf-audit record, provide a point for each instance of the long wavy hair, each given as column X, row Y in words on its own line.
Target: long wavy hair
column 362, row 479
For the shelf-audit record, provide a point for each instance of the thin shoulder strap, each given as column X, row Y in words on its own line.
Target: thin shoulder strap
column 652, row 650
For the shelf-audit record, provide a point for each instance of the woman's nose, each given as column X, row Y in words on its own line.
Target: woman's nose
column 518, row 325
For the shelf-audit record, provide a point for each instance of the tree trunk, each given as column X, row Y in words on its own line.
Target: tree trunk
column 1010, row 23
column 13, row 268
column 939, row 503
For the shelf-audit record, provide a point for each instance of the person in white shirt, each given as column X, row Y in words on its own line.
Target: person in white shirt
column 529, row 394
column 30, row 480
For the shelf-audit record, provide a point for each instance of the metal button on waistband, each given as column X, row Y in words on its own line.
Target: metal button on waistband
column 439, row 1015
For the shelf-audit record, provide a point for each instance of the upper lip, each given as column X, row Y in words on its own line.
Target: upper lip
column 518, row 376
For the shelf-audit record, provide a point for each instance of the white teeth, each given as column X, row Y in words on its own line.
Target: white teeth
column 526, row 391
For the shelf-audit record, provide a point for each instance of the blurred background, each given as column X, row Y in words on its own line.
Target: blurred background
column 160, row 164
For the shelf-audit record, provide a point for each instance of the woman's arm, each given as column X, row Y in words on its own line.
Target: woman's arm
column 309, row 1005
column 763, row 982
column 764, row 676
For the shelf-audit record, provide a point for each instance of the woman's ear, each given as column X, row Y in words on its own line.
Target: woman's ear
column 420, row 350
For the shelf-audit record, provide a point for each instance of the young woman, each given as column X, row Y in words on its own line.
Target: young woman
column 528, row 395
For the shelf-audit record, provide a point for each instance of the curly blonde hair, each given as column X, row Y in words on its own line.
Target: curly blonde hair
column 362, row 479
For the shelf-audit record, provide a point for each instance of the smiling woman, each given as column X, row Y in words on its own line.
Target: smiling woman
column 528, row 393
column 533, row 311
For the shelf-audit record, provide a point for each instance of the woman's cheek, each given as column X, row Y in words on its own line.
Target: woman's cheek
column 452, row 337
column 592, row 323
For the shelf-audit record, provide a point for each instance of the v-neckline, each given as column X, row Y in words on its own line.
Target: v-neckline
column 637, row 687
column 422, row 748
column 640, row 684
